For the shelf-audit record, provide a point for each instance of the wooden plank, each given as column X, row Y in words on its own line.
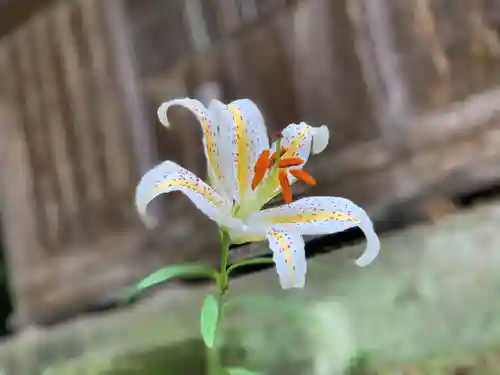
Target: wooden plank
column 457, row 120
column 377, row 42
column 20, row 221
column 142, row 138
column 75, row 69
column 427, row 37
column 196, row 24
column 328, row 75
column 15, row 12
column 229, row 18
column 266, row 77
column 107, row 99
column 456, row 168
column 36, row 133
column 58, row 137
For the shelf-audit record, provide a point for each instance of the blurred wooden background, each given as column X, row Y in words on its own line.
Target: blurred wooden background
column 408, row 88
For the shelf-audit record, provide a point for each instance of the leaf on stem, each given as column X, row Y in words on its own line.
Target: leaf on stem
column 208, row 320
column 169, row 272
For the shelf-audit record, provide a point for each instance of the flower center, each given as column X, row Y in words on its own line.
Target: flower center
column 286, row 165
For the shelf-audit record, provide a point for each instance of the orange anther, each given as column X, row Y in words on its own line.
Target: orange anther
column 285, row 186
column 261, row 166
column 304, row 176
column 273, row 156
column 290, row 162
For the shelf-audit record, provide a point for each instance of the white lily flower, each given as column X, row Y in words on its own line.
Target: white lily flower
column 244, row 176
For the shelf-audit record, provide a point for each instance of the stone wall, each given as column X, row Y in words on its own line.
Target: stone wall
column 428, row 305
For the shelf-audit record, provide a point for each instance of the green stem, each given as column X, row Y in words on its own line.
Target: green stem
column 249, row 262
column 214, row 360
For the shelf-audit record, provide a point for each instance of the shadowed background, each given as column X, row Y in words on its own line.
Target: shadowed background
column 409, row 90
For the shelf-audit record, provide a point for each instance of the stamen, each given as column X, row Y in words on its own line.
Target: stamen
column 303, row 175
column 283, row 151
column 290, row 162
column 261, row 166
column 285, row 186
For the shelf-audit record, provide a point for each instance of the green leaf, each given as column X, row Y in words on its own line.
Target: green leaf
column 166, row 273
column 208, row 320
column 240, row 371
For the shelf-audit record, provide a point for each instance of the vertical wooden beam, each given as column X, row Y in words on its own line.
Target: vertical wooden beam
column 426, row 32
column 110, row 119
column 381, row 64
column 57, row 139
column 19, row 210
column 327, row 71
column 196, row 24
column 36, row 133
column 76, row 86
column 229, row 18
column 248, row 10
column 127, row 66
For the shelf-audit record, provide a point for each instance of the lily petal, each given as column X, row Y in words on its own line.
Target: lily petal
column 167, row 177
column 300, row 140
column 289, row 257
column 243, row 135
column 210, row 135
column 321, row 215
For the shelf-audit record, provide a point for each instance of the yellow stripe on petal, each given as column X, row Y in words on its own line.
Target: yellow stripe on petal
column 242, row 148
column 208, row 194
column 289, row 257
column 295, row 143
column 310, row 217
column 210, row 146
column 209, row 129
column 242, row 138
column 285, row 249
column 320, row 215
column 169, row 176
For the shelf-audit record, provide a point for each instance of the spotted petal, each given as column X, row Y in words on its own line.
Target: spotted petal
column 301, row 140
column 289, row 257
column 210, row 132
column 168, row 177
column 243, row 137
column 320, row 215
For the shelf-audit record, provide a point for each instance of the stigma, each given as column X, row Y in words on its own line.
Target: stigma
column 286, row 164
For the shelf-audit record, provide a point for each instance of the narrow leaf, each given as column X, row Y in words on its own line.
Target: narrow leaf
column 240, row 371
column 208, row 320
column 166, row 273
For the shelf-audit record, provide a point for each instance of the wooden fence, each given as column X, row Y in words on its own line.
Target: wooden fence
column 408, row 88
column 68, row 173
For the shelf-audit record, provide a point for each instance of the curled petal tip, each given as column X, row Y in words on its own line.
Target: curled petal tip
column 320, row 139
column 371, row 252
column 162, row 114
column 149, row 222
